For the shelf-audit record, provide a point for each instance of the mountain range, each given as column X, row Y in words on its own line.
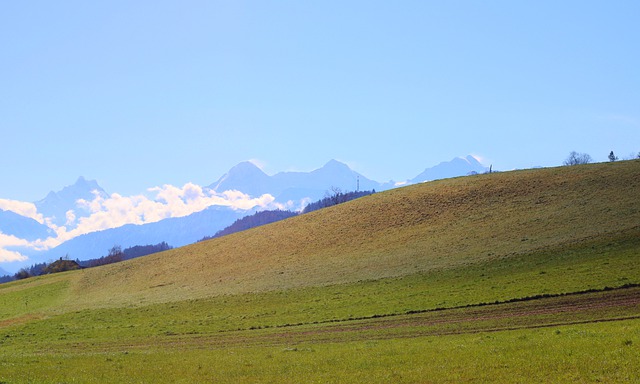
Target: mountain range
column 56, row 204
column 290, row 189
column 294, row 186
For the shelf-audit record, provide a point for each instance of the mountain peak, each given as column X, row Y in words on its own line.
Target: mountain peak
column 335, row 164
column 459, row 166
column 472, row 160
column 84, row 184
column 245, row 176
column 244, row 169
column 245, row 166
column 56, row 204
column 334, row 168
column 81, row 181
column 81, row 188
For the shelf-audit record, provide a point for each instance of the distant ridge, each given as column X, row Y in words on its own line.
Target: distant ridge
column 420, row 228
column 460, row 166
column 22, row 227
column 245, row 177
column 294, row 186
column 56, row 204
column 177, row 231
column 291, row 190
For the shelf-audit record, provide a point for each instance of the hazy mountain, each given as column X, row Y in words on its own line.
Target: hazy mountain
column 460, row 166
column 295, row 186
column 244, row 177
column 57, row 204
column 176, row 232
column 22, row 227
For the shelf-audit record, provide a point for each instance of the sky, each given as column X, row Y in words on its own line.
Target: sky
column 137, row 95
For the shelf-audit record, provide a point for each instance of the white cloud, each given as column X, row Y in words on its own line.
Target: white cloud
column 167, row 201
column 117, row 210
column 7, row 256
column 22, row 208
column 71, row 217
column 11, row 241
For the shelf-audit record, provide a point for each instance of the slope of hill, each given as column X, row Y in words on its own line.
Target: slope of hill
column 420, row 228
column 520, row 274
column 293, row 189
column 256, row 220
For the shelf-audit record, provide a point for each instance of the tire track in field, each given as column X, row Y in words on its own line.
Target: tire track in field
column 617, row 304
column 579, row 308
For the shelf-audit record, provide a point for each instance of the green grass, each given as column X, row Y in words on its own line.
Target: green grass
column 31, row 296
column 389, row 288
column 421, row 228
column 584, row 267
column 598, row 352
column 195, row 340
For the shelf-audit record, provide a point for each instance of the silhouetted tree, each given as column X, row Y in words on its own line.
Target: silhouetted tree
column 143, row 250
column 336, row 196
column 252, row 221
column 576, row 158
column 6, row 279
column 334, row 199
column 116, row 254
column 22, row 274
column 612, row 157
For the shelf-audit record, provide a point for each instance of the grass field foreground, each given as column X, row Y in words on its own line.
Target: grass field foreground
column 449, row 281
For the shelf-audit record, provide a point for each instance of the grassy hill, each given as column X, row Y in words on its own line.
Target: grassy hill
column 384, row 267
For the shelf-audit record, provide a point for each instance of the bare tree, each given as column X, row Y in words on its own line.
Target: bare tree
column 576, row 158
column 22, row 274
column 336, row 196
column 115, row 254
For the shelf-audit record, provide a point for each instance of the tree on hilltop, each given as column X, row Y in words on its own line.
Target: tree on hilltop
column 612, row 157
column 576, row 158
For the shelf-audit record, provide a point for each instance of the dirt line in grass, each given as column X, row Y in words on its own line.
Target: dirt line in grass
column 603, row 306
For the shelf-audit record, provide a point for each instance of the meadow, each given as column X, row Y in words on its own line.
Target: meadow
column 527, row 276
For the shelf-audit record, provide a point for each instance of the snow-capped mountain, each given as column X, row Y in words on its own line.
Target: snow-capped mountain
column 63, row 208
column 57, row 204
column 294, row 186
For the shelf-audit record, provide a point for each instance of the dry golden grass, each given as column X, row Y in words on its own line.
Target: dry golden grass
column 436, row 225
column 395, row 282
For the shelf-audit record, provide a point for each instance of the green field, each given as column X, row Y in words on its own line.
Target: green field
column 526, row 276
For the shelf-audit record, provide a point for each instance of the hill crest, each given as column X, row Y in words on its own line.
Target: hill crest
column 419, row 228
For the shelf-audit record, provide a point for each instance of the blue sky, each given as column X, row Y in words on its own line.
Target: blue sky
column 141, row 94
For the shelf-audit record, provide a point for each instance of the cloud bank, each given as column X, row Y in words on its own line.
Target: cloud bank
column 7, row 241
column 167, row 201
column 114, row 211
column 22, row 208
